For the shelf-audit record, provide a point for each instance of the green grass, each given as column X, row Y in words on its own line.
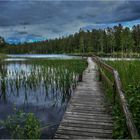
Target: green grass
column 130, row 77
column 129, row 72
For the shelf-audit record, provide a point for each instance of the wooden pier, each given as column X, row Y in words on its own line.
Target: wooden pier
column 87, row 115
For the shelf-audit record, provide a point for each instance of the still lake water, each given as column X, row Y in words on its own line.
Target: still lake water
column 36, row 87
column 47, row 56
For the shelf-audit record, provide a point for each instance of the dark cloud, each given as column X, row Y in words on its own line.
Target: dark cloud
column 35, row 35
column 128, row 11
column 56, row 18
column 22, row 32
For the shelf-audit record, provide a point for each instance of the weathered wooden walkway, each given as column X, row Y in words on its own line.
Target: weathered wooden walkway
column 87, row 115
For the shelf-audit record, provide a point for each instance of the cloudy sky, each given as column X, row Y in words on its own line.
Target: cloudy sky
column 36, row 19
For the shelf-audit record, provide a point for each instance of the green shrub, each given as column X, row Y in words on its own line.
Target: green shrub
column 133, row 97
column 23, row 126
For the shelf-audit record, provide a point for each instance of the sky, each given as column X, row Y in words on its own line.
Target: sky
column 29, row 20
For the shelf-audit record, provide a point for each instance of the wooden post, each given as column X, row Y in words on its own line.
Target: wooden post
column 80, row 78
column 100, row 75
column 114, row 93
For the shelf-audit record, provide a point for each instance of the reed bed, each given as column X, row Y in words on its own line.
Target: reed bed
column 54, row 78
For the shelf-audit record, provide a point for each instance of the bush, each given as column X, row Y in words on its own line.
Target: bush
column 22, row 126
column 133, row 97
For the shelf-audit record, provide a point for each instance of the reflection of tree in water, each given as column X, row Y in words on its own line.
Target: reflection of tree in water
column 39, row 83
column 3, row 73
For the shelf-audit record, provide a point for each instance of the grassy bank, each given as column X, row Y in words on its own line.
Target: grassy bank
column 130, row 77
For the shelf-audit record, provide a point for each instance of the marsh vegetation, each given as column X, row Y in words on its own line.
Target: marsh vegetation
column 130, row 77
column 40, row 86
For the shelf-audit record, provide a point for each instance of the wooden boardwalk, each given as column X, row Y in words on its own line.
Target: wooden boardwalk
column 87, row 115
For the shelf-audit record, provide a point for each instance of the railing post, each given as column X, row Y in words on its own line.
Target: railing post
column 114, row 93
column 100, row 75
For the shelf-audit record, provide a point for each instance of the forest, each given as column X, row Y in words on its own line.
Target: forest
column 109, row 40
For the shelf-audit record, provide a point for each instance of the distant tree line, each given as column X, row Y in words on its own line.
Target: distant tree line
column 109, row 40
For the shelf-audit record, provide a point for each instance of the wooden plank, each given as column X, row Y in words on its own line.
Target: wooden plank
column 88, row 119
column 73, row 124
column 88, row 130
column 86, row 102
column 81, row 133
column 98, row 115
column 90, row 100
column 89, row 114
column 97, row 111
column 93, row 107
column 88, row 122
column 87, row 108
column 65, row 136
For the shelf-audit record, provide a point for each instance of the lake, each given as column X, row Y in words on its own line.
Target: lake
column 40, row 84
column 46, row 56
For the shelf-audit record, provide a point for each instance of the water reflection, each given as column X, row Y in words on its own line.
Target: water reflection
column 15, row 59
column 48, row 56
column 43, row 89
